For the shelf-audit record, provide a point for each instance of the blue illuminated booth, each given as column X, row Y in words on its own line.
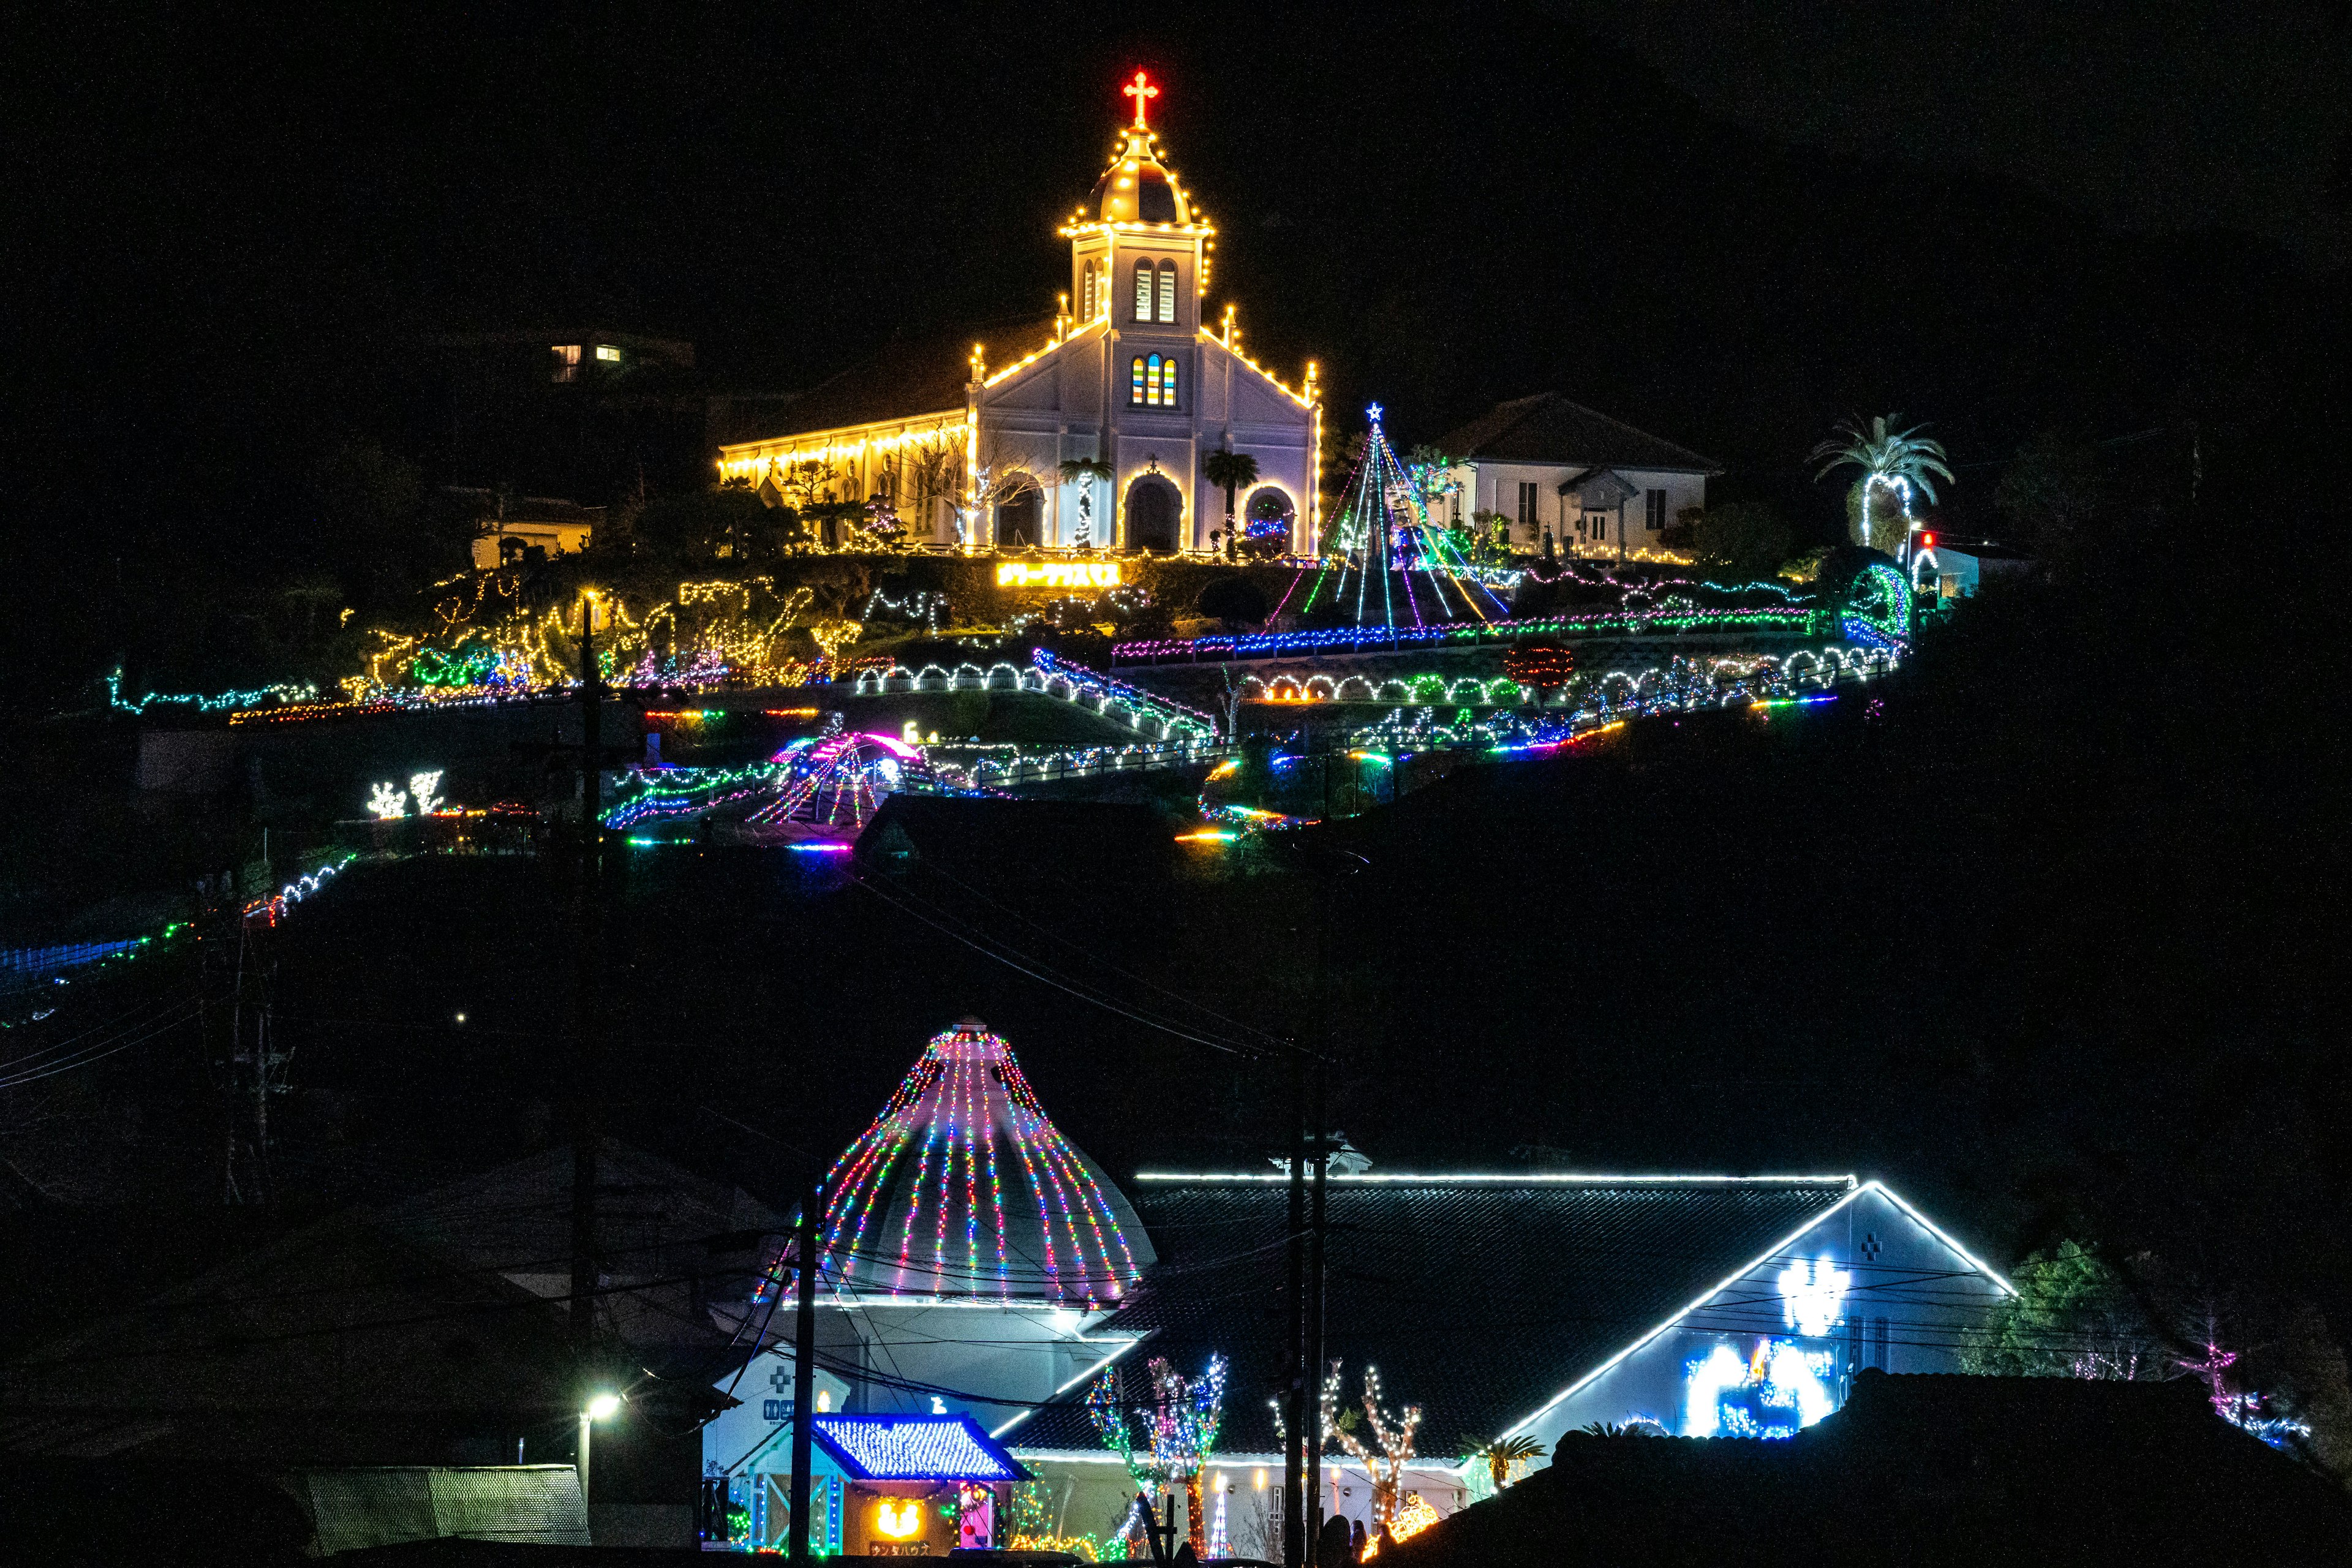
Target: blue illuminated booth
column 917, row 1486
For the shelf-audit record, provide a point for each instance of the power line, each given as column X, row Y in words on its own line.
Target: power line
column 1034, row 970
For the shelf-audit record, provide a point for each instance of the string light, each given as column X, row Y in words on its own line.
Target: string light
column 1055, row 676
column 915, row 1448
column 1179, row 1430
column 212, row 704
column 969, row 1125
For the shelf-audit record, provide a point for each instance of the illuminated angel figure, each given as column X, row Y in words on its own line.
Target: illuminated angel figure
column 424, row 787
column 1812, row 1296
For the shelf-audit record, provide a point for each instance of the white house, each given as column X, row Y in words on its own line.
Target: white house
column 964, row 437
column 1599, row 486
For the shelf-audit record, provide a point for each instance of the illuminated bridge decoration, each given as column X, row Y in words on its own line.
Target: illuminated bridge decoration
column 914, row 1448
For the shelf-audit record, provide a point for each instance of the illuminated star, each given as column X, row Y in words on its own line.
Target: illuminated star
column 1375, row 412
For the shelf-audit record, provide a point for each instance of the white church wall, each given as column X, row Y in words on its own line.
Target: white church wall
column 1872, row 1283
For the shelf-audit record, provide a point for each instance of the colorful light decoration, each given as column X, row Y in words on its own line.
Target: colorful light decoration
column 1878, row 608
column 1177, row 1426
column 915, row 1448
column 933, row 1199
column 217, row 702
column 828, row 786
column 1383, row 530
column 1054, row 677
column 1776, row 1390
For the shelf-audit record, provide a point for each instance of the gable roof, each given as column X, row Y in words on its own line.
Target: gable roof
column 1548, row 429
column 910, row 376
column 1480, row 1297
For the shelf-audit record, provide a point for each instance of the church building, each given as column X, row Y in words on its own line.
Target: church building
column 964, row 439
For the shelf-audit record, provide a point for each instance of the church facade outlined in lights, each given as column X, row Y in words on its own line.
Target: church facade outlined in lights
column 964, row 438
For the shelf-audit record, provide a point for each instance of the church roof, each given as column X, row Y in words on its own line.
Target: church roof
column 1548, row 429
column 962, row 1188
column 909, row 377
column 1479, row 1298
column 1138, row 188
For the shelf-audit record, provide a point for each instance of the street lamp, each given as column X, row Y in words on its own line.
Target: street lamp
column 600, row 1407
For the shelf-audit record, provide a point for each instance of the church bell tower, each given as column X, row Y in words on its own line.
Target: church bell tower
column 1139, row 250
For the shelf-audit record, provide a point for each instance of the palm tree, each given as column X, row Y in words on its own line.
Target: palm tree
column 1899, row 460
column 1084, row 472
column 1504, row 1452
column 1231, row 470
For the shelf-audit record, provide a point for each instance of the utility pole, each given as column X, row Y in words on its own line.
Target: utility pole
column 256, row 1070
column 1327, row 866
column 1293, row 1296
column 587, row 1085
column 804, row 1366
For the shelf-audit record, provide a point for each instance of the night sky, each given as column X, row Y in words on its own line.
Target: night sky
column 1728, row 223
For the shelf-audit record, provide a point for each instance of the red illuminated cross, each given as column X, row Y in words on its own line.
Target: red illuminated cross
column 1142, row 91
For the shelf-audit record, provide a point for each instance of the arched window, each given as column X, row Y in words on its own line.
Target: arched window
column 1167, row 291
column 1143, row 291
column 1135, row 387
column 1086, row 293
column 1168, row 379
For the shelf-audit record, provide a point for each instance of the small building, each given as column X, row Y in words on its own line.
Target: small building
column 514, row 531
column 1596, row 485
column 587, row 411
column 1944, row 568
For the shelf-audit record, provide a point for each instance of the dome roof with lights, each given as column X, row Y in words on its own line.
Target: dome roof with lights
column 962, row 1188
column 1138, row 188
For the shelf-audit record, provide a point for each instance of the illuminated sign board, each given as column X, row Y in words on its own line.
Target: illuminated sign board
column 1057, row 574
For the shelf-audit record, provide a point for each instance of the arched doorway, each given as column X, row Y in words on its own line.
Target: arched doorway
column 1267, row 522
column 1016, row 520
column 1152, row 505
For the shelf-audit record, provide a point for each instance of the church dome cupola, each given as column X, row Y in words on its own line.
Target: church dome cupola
column 1138, row 186
column 962, row 1189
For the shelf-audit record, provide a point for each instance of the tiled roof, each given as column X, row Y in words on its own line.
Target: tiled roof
column 1478, row 1301
column 1548, row 429
column 924, row 374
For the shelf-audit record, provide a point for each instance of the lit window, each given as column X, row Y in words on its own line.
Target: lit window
column 1143, row 291
column 607, row 354
column 567, row 361
column 1086, row 294
column 1167, row 384
column 1167, row 291
column 1135, row 387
